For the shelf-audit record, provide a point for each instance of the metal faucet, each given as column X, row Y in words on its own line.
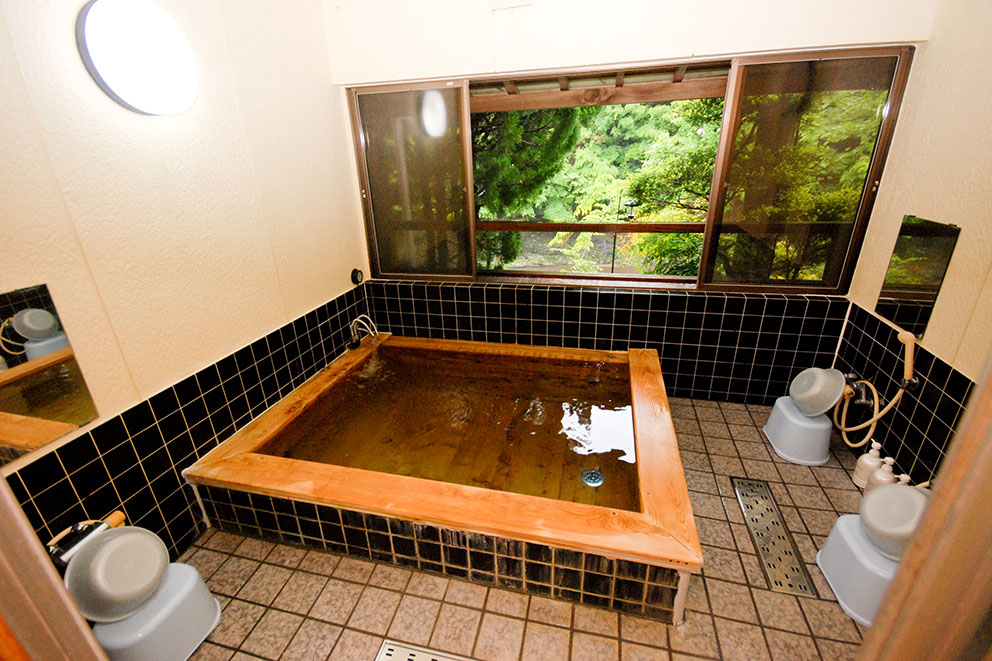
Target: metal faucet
column 361, row 323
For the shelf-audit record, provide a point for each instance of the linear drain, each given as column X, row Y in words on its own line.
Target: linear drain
column 394, row 651
column 779, row 556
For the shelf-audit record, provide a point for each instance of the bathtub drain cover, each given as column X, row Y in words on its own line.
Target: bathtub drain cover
column 593, row 477
column 780, row 560
column 394, row 651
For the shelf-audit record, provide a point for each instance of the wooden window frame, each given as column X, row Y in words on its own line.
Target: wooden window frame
column 689, row 79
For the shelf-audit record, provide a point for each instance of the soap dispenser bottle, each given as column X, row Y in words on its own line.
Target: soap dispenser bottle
column 868, row 463
column 883, row 475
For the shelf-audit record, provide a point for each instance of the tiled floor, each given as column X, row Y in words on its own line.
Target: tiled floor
column 289, row 603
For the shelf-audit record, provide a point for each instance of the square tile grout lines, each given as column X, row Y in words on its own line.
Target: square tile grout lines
column 134, row 460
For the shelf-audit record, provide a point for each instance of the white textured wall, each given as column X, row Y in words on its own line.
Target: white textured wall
column 169, row 242
column 939, row 168
column 378, row 40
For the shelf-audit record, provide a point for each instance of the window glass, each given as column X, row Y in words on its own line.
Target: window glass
column 624, row 164
column 416, row 180
column 805, row 136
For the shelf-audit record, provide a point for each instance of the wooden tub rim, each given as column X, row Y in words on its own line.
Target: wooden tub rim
column 663, row 533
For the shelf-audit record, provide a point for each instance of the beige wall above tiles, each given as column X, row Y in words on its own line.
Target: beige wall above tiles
column 939, row 168
column 169, row 242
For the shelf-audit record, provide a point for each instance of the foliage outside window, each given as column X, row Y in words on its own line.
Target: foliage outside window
column 665, row 176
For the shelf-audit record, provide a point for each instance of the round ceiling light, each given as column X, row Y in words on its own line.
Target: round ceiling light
column 138, row 55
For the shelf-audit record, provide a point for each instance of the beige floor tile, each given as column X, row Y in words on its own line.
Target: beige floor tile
column 350, row 569
column 550, row 611
column 224, row 542
column 733, row 509
column 752, row 570
column 644, row 631
column 272, row 634
column 393, row 578
column 780, row 492
column 319, row 563
column 791, row 646
column 314, row 640
column 545, row 643
column 596, row 620
column 746, row 432
column 696, row 599
column 685, row 425
column 505, row 602
column 722, row 564
column 336, row 601
column 727, row 465
column 587, row 646
column 833, row 478
column 300, row 592
column 286, row 556
column 741, row 642
column 807, row 549
column 256, row 549
column 700, row 480
column 414, row 620
column 500, row 638
column 710, row 414
column 235, row 622
column 761, row 470
column 211, row 652
column 232, row 575
column 846, row 501
column 742, row 538
column 206, row 561
column 464, row 593
column 835, row 651
column 456, row 629
column 780, row 611
column 244, row 656
column 737, row 417
column 827, row 620
column 818, row 522
column 714, row 429
column 794, row 474
column 748, row 450
column 820, row 582
column 695, row 460
column 427, row 585
column 704, row 504
column 692, row 443
column 264, row 584
column 355, row 646
column 695, row 636
column 721, row 446
column 635, row 652
column 715, row 533
column 374, row 610
column 793, row 520
column 809, row 496
column 731, row 600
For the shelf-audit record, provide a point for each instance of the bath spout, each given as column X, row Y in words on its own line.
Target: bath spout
column 361, row 323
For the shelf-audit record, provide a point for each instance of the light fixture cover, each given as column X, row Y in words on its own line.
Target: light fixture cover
column 138, row 55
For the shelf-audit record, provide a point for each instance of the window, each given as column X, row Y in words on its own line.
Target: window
column 752, row 173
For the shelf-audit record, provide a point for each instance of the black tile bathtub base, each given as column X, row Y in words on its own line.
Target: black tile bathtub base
column 586, row 578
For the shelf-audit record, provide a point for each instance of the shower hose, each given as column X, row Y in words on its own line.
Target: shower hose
column 840, row 409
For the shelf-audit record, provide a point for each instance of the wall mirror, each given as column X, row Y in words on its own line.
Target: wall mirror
column 42, row 392
column 916, row 271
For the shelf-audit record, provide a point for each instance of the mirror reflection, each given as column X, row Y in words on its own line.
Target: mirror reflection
column 42, row 392
column 916, row 271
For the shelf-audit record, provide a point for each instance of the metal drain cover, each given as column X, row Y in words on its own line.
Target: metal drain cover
column 593, row 477
column 394, row 651
column 780, row 559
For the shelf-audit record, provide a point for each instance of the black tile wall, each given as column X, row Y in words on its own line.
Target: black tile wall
column 732, row 347
column 133, row 461
column 15, row 301
column 911, row 315
column 588, row 578
column 916, row 433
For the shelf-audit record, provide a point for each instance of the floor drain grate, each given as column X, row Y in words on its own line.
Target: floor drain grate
column 394, row 651
column 780, row 560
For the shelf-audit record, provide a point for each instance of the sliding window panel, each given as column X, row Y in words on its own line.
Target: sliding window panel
column 800, row 155
column 412, row 151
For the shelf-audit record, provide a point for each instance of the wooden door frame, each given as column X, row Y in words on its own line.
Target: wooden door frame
column 35, row 605
column 942, row 591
